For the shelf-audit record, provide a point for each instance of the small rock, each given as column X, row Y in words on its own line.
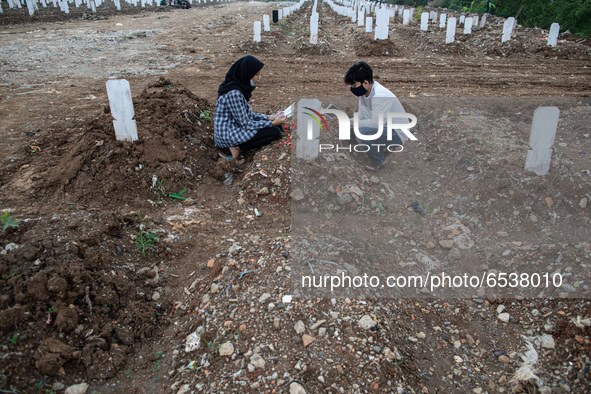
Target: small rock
column 458, row 359
column 276, row 323
column 446, row 243
column 77, row 389
column 299, row 327
column 504, row 359
column 321, row 332
column 504, row 317
column 500, row 308
column 226, row 349
column 374, row 179
column 155, row 296
column 296, row 388
column 317, row 324
column 547, row 341
column 214, row 288
column 307, row 339
column 264, row 297
column 257, row 361
column 421, row 335
column 583, row 203
column 366, row 322
column 297, row 194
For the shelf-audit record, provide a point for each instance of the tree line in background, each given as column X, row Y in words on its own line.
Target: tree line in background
column 572, row 15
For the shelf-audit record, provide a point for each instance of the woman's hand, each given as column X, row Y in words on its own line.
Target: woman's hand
column 274, row 116
column 278, row 119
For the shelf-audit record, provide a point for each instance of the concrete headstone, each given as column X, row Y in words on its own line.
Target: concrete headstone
column 121, row 104
column 541, row 139
column 553, row 35
column 450, row 35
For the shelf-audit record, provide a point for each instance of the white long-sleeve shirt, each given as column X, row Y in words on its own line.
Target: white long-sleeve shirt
column 380, row 101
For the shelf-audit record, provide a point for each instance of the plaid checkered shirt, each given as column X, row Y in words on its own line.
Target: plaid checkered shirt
column 234, row 120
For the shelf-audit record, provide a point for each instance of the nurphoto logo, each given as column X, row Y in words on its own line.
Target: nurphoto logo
column 389, row 123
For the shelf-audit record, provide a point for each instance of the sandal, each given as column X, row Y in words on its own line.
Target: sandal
column 223, row 156
column 239, row 161
column 374, row 167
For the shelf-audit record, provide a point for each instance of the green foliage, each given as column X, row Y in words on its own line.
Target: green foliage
column 13, row 339
column 8, row 221
column 205, row 115
column 144, row 240
column 572, row 15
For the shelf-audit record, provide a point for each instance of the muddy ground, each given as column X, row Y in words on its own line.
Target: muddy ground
column 111, row 282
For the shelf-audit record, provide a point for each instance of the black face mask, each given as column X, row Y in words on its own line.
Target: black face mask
column 358, row 91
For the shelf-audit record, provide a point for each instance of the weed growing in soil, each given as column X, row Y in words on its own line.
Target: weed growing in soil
column 8, row 221
column 205, row 115
column 13, row 339
column 144, row 240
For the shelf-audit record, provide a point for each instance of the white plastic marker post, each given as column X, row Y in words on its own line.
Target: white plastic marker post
column 119, row 94
column 424, row 21
column 266, row 23
column 314, row 28
column 553, row 35
column 368, row 24
column 508, row 29
column 406, row 17
column 468, row 25
column 483, row 21
column 541, row 139
column 257, row 31
column 451, row 31
column 442, row 20
column 382, row 24
column 308, row 129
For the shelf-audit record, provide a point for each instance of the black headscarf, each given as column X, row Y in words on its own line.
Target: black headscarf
column 239, row 76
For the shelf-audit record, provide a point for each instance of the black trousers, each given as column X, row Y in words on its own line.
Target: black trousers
column 263, row 137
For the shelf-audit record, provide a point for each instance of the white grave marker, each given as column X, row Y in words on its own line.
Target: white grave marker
column 119, row 94
column 442, row 19
column 406, row 17
column 468, row 26
column 541, row 139
column 424, row 21
column 266, row 23
column 433, row 16
column 462, row 19
column 314, row 28
column 475, row 20
column 451, row 31
column 508, row 29
column 257, row 31
column 483, row 21
column 368, row 24
column 382, row 24
column 553, row 35
column 360, row 19
column 307, row 145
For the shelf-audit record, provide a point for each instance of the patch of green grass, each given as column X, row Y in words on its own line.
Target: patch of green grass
column 13, row 339
column 8, row 221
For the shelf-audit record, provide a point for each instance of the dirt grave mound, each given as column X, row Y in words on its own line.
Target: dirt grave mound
column 368, row 47
column 83, row 163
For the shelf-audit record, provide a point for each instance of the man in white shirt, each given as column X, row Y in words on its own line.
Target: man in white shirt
column 375, row 102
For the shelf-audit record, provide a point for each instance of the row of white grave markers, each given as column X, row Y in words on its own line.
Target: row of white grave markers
column 64, row 5
column 357, row 9
column 282, row 13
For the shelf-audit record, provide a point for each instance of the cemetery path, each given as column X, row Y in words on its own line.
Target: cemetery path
column 110, row 270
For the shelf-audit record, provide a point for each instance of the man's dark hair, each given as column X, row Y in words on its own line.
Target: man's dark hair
column 359, row 72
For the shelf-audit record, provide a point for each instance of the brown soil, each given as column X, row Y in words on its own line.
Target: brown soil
column 86, row 297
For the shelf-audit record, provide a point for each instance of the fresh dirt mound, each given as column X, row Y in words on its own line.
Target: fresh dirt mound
column 86, row 165
column 367, row 47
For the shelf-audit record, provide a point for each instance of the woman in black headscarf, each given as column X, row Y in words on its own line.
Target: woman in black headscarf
column 236, row 126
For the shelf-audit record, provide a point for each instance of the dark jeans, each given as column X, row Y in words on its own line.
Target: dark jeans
column 263, row 137
column 375, row 153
